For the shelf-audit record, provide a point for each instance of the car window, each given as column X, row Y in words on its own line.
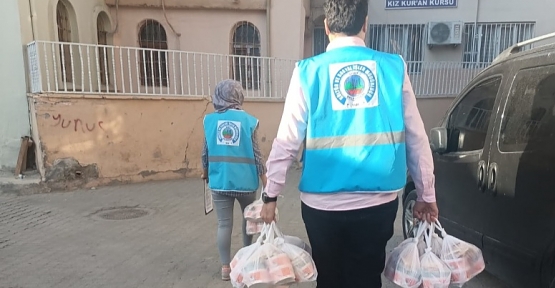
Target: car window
column 529, row 114
column 469, row 121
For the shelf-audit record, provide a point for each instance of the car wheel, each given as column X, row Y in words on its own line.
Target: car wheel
column 408, row 220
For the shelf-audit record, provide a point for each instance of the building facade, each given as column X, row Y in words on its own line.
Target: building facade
column 121, row 86
column 14, row 116
column 444, row 42
column 118, row 89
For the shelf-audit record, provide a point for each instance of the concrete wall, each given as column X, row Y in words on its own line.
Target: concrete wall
column 131, row 138
column 140, row 139
column 213, row 28
column 14, row 120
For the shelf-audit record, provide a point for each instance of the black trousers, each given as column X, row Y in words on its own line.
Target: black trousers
column 348, row 247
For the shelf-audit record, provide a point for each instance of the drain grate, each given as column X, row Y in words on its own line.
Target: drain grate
column 122, row 213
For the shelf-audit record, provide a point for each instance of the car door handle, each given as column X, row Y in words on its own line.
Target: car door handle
column 481, row 175
column 492, row 177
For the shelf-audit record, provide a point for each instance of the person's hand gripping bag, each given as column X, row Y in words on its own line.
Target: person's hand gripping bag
column 435, row 273
column 464, row 259
column 253, row 210
column 254, row 220
column 402, row 266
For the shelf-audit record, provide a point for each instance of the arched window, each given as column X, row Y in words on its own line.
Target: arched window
column 152, row 35
column 64, row 35
column 102, row 34
column 320, row 40
column 246, row 45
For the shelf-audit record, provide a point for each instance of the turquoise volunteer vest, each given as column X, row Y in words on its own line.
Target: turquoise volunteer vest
column 231, row 165
column 355, row 139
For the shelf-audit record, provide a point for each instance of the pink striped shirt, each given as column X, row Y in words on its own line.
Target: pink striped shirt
column 292, row 131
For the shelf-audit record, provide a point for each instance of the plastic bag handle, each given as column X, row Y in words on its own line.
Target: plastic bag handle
column 421, row 229
column 276, row 230
column 440, row 228
column 263, row 233
column 428, row 237
column 269, row 233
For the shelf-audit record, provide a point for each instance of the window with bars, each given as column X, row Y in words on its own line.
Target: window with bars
column 153, row 63
column 404, row 39
column 321, row 40
column 485, row 41
column 246, row 48
column 64, row 35
column 102, row 36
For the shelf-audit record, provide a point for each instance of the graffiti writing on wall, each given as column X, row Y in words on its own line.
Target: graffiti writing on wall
column 76, row 124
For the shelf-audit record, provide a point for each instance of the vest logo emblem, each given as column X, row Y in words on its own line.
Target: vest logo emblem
column 354, row 85
column 229, row 133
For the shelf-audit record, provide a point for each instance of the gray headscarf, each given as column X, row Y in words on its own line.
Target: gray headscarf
column 228, row 94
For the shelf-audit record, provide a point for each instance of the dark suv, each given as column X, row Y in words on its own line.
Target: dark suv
column 494, row 156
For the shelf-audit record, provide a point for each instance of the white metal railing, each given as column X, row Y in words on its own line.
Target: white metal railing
column 59, row 67
column 442, row 78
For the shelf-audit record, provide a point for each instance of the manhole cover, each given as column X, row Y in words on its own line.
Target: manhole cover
column 122, row 213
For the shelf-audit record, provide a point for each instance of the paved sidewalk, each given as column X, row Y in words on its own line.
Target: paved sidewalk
column 56, row 240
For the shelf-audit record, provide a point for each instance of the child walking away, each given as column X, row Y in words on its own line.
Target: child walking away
column 232, row 162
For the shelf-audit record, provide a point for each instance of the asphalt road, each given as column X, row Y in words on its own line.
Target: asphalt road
column 60, row 239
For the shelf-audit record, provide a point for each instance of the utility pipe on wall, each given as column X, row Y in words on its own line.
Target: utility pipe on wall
column 268, row 48
column 33, row 20
column 268, row 7
column 476, row 20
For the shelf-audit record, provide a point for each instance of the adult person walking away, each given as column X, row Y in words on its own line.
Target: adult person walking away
column 357, row 110
column 232, row 162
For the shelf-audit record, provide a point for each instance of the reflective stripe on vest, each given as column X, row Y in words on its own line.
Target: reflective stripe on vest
column 355, row 140
column 231, row 159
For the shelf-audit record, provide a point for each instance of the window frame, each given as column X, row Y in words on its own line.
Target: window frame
column 473, row 56
column 465, row 94
column 151, row 56
column 64, row 33
column 322, row 30
column 413, row 42
column 246, row 66
column 520, row 147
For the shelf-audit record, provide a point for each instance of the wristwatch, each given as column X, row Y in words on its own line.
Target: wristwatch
column 267, row 199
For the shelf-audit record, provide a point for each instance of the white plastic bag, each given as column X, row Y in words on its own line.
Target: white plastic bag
column 239, row 261
column 464, row 259
column 435, row 273
column 252, row 211
column 301, row 260
column 298, row 242
column 254, row 220
column 268, row 265
column 437, row 244
column 272, row 262
column 402, row 266
column 254, row 227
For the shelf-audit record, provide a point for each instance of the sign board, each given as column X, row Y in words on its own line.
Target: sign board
column 208, row 202
column 414, row 4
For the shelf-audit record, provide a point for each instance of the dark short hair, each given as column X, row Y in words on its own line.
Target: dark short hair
column 346, row 16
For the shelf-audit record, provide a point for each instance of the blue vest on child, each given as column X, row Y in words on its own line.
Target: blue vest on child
column 231, row 165
column 355, row 139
